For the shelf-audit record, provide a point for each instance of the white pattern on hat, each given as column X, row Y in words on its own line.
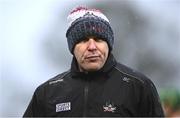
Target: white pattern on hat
column 81, row 11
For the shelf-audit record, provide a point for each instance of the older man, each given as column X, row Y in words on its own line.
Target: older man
column 96, row 85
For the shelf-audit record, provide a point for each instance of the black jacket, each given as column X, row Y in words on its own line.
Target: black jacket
column 115, row 90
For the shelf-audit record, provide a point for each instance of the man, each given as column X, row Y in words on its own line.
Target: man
column 96, row 85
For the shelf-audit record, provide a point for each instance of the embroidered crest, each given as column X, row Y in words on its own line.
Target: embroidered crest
column 109, row 108
column 63, row 107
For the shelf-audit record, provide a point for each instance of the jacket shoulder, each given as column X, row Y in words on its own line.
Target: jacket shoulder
column 137, row 76
column 53, row 80
column 58, row 78
column 150, row 101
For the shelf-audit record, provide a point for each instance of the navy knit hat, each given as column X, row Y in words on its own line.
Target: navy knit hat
column 84, row 22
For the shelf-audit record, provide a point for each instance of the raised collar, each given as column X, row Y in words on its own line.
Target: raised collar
column 110, row 63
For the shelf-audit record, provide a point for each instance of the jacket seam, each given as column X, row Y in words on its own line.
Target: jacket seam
column 60, row 78
column 129, row 75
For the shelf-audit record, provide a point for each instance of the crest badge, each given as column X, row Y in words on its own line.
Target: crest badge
column 109, row 108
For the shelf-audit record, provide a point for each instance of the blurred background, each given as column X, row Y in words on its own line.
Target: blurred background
column 33, row 45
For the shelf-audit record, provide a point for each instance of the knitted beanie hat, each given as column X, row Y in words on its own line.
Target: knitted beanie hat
column 84, row 22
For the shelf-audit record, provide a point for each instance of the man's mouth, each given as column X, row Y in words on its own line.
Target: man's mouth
column 92, row 58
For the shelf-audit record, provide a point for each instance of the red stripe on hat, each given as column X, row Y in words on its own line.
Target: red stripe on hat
column 84, row 8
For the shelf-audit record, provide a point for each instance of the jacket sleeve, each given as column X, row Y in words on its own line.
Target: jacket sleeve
column 150, row 101
column 36, row 107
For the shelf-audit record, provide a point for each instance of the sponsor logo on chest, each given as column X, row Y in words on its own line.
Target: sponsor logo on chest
column 63, row 107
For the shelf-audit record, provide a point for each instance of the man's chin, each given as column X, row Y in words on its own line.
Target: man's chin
column 92, row 67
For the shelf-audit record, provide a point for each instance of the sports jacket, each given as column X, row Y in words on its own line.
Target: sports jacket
column 114, row 90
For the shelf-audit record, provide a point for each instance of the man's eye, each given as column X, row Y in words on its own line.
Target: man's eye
column 98, row 40
column 84, row 40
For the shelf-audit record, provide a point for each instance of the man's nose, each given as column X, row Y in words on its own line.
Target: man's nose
column 92, row 44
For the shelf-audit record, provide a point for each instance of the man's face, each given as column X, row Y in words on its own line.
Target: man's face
column 91, row 54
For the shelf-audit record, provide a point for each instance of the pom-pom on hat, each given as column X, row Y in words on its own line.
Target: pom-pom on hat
column 84, row 22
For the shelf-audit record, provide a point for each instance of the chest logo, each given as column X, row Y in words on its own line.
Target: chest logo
column 109, row 108
column 63, row 107
column 126, row 79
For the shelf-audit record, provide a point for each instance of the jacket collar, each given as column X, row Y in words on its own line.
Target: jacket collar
column 110, row 63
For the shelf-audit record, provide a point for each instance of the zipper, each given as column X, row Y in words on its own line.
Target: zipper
column 86, row 89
